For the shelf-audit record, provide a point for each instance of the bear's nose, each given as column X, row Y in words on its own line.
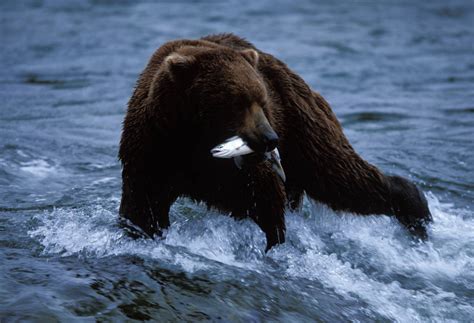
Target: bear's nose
column 271, row 141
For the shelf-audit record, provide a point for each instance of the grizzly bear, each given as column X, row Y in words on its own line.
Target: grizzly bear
column 195, row 94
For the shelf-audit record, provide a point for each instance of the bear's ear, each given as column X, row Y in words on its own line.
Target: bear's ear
column 250, row 56
column 179, row 65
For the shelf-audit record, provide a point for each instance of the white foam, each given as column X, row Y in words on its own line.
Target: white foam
column 39, row 168
column 104, row 180
column 94, row 233
column 358, row 257
column 387, row 249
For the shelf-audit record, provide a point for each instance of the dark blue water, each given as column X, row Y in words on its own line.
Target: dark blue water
column 400, row 77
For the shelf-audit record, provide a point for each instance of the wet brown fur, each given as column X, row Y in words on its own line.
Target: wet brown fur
column 194, row 94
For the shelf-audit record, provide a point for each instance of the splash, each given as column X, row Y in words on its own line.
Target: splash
column 367, row 259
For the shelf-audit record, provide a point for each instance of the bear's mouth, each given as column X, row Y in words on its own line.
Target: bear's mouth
column 236, row 148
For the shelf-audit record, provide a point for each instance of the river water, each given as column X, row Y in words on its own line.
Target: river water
column 400, row 77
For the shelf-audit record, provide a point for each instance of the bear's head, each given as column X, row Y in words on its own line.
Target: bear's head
column 221, row 95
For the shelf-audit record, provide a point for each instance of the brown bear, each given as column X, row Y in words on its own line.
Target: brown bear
column 194, row 94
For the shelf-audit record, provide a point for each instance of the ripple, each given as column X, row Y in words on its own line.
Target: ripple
column 56, row 83
column 370, row 117
column 455, row 111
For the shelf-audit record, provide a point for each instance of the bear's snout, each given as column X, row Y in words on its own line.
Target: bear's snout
column 258, row 133
column 270, row 139
column 263, row 139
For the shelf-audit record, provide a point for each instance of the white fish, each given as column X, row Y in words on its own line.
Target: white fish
column 231, row 148
column 235, row 147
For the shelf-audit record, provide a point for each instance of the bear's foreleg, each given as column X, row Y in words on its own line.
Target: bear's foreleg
column 146, row 205
column 267, row 204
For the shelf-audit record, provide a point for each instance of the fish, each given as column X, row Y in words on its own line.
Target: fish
column 235, row 147
column 232, row 147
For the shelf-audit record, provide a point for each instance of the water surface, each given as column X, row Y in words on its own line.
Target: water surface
column 399, row 76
